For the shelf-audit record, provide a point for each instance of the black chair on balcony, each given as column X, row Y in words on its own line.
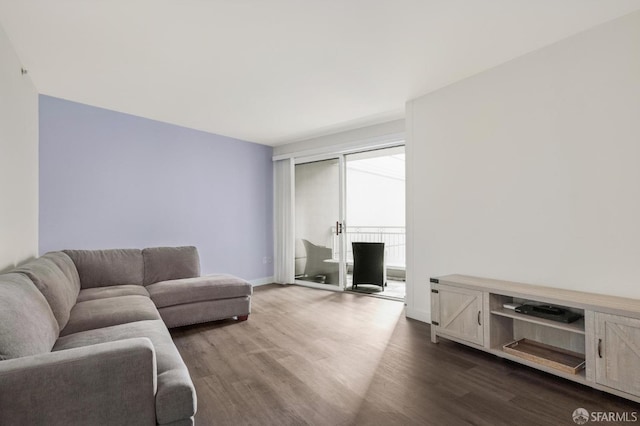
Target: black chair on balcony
column 369, row 265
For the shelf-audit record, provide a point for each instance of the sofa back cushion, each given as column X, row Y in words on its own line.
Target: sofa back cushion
column 103, row 268
column 170, row 263
column 55, row 275
column 27, row 324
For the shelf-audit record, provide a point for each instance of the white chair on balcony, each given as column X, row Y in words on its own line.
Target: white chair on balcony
column 315, row 268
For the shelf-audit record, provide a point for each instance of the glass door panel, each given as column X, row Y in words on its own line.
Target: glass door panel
column 318, row 226
column 375, row 212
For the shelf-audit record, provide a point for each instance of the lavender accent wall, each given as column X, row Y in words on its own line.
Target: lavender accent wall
column 110, row 180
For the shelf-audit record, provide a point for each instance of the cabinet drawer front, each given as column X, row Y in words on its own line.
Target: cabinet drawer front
column 458, row 312
column 618, row 352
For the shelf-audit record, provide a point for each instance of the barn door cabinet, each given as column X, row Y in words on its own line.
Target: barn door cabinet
column 456, row 312
column 601, row 349
column 617, row 353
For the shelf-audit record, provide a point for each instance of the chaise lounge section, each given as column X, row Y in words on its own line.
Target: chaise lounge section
column 84, row 338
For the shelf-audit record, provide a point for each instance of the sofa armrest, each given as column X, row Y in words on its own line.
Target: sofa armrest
column 110, row 383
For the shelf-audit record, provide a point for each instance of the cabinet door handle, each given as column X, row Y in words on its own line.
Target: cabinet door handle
column 600, row 348
column 479, row 313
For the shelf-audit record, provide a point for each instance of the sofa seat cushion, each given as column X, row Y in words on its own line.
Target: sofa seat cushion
column 111, row 291
column 200, row 289
column 175, row 399
column 101, row 268
column 28, row 324
column 100, row 313
column 54, row 274
column 170, row 263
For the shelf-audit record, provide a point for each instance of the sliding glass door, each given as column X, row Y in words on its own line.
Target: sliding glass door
column 366, row 188
column 319, row 208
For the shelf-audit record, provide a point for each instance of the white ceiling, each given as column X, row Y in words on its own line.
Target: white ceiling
column 276, row 71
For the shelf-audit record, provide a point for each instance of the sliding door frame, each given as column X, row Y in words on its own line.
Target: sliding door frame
column 311, row 156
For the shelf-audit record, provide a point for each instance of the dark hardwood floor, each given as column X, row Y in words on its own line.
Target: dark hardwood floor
column 315, row 357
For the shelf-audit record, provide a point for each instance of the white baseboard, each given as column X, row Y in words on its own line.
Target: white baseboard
column 424, row 316
column 261, row 281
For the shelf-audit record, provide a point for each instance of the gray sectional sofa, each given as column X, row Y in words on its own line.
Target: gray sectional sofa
column 84, row 335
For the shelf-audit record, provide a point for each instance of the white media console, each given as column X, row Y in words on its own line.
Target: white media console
column 601, row 350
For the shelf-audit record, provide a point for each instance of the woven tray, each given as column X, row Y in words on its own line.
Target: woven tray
column 550, row 356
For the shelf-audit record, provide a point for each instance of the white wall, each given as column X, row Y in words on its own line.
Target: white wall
column 531, row 171
column 18, row 160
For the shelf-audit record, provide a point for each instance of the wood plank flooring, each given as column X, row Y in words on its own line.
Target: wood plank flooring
column 313, row 357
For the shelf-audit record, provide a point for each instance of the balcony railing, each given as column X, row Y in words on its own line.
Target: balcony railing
column 393, row 237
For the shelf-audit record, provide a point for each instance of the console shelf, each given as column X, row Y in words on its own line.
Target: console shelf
column 574, row 327
column 592, row 350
